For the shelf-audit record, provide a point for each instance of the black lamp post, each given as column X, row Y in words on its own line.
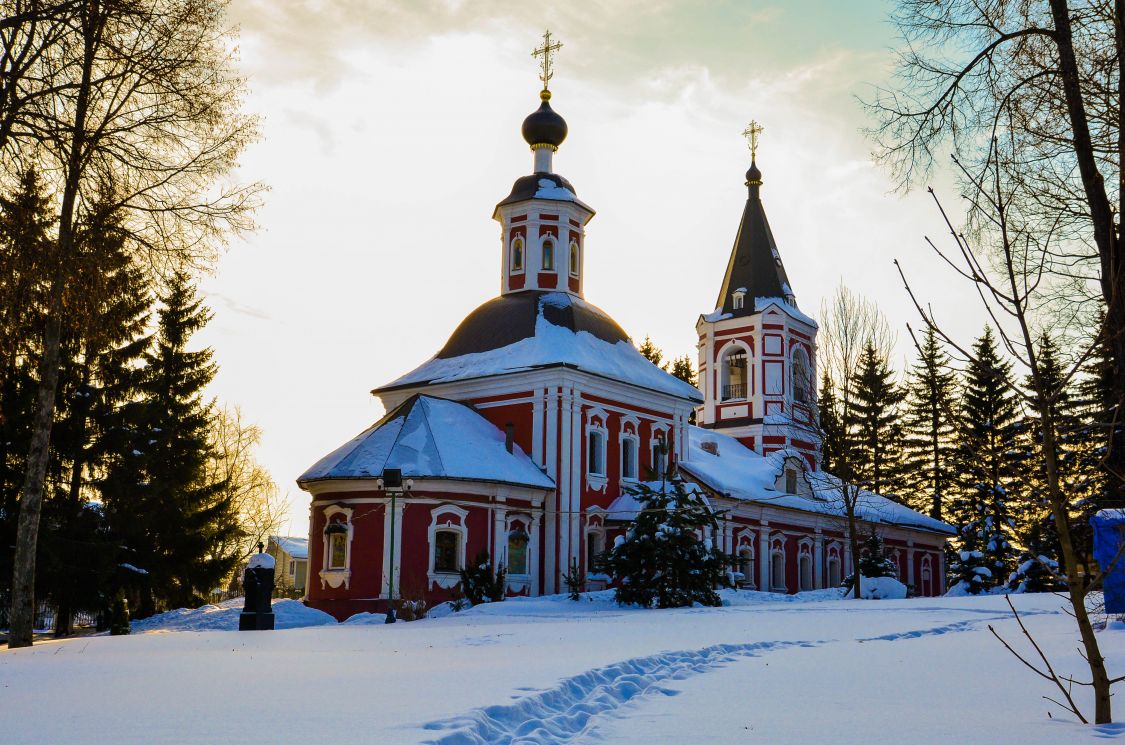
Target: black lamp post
column 393, row 485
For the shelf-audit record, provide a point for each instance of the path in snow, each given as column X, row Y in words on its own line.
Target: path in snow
column 568, row 710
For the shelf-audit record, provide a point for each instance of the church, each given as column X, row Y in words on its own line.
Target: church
column 522, row 435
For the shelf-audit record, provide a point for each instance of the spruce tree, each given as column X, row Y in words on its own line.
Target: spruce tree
column 661, row 560
column 929, row 428
column 875, row 560
column 876, row 426
column 989, row 458
column 683, row 369
column 831, row 428
column 652, row 353
column 171, row 520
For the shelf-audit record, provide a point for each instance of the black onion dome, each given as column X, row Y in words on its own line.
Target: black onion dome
column 753, row 176
column 544, row 126
column 511, row 318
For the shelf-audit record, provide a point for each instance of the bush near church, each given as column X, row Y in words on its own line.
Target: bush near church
column 661, row 560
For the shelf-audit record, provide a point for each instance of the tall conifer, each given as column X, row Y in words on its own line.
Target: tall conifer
column 930, row 415
column 989, row 455
column 876, row 426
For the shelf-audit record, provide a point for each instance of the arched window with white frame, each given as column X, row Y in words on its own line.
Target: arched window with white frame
column 734, row 369
column 447, row 534
column 574, row 258
column 518, row 541
column 517, row 254
column 629, row 459
column 802, row 376
column 777, row 565
column 595, row 456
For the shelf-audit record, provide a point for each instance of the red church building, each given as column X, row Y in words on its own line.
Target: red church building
column 523, row 434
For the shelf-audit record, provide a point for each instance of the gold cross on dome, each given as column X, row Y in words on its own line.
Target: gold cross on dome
column 753, row 129
column 546, row 54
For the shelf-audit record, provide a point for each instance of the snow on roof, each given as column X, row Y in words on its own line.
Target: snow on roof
column 554, row 345
column 431, row 437
column 295, row 546
column 761, row 303
column 627, row 506
column 742, row 474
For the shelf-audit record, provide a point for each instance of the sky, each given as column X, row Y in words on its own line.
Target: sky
column 392, row 128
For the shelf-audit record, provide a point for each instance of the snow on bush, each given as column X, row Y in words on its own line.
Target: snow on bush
column 880, row 588
column 288, row 614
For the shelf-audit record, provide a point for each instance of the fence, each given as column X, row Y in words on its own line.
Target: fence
column 45, row 616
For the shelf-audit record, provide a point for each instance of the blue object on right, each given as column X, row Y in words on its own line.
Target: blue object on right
column 1109, row 537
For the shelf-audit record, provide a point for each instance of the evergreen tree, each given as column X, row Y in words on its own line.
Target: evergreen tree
column 661, row 560
column 652, row 353
column 930, row 418
column 876, row 426
column 831, row 428
column 1037, row 569
column 1093, row 485
column 989, row 458
column 683, row 369
column 171, row 520
column 875, row 560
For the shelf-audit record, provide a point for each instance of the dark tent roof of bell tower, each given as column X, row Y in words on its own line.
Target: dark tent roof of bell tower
column 755, row 264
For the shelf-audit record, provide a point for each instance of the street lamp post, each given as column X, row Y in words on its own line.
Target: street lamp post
column 393, row 485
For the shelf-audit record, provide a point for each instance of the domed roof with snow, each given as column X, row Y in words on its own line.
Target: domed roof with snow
column 540, row 329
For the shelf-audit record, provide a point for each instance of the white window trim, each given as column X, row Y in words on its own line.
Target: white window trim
column 335, row 577
column 744, row 540
column 738, row 300
column 446, row 580
column 805, row 551
column 811, row 393
column 595, row 526
column 577, row 251
column 596, row 480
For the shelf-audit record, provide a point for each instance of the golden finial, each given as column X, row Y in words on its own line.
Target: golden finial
column 753, row 129
column 546, row 57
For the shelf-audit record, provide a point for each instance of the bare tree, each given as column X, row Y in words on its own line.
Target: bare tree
column 1010, row 288
column 142, row 102
column 1047, row 74
column 259, row 506
column 848, row 324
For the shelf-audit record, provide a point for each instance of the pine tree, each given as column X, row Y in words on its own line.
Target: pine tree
column 172, row 521
column 831, row 428
column 989, row 457
column 661, row 560
column 652, row 353
column 928, row 437
column 876, row 421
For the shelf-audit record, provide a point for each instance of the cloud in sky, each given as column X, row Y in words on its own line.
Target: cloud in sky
column 392, row 129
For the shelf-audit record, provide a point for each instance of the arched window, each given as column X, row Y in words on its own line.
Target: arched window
column 517, row 255
column 447, row 551
column 595, row 547
column 738, row 299
column 734, row 374
column 337, row 535
column 804, row 564
column 595, row 462
column 746, row 566
column 834, row 578
column 573, row 259
column 659, row 456
column 629, row 458
column 927, row 578
column 548, row 255
column 777, row 572
column 517, row 551
column 802, row 377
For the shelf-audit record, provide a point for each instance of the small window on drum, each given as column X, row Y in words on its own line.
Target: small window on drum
column 574, row 259
column 337, row 546
column 548, row 255
column 517, row 255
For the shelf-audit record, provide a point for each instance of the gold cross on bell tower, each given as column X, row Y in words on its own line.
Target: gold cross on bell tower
column 546, row 54
column 753, row 129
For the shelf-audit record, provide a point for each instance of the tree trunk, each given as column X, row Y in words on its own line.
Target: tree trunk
column 1075, row 589
column 853, row 539
column 31, row 499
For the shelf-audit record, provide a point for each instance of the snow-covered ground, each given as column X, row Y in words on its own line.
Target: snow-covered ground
column 762, row 669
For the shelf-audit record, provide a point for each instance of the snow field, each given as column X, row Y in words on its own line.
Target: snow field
column 548, row 670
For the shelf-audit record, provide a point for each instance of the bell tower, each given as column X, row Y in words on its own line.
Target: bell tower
column 542, row 221
column 757, row 350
